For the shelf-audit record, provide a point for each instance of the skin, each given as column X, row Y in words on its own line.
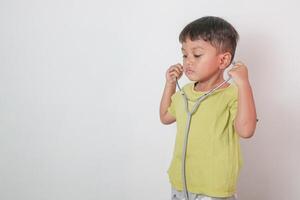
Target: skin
column 205, row 65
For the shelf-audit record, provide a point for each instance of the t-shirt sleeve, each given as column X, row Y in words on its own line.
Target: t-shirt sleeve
column 171, row 108
column 233, row 110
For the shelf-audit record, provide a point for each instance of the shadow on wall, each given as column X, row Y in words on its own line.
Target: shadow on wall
column 270, row 161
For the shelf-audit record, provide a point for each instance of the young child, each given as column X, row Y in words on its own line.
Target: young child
column 213, row 158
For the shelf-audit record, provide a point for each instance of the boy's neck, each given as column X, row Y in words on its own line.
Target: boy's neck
column 205, row 86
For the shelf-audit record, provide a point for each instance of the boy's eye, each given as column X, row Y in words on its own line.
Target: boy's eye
column 196, row 56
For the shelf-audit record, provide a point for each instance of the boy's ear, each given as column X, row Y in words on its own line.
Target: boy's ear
column 224, row 60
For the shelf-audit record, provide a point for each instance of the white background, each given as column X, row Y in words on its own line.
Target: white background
column 81, row 83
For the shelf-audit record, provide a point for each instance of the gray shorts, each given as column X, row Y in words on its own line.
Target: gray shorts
column 178, row 195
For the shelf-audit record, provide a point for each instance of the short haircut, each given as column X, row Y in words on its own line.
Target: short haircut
column 221, row 34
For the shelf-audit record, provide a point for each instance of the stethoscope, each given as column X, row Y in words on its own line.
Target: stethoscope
column 188, row 123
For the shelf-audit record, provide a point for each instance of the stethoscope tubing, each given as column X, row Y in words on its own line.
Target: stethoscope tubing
column 188, row 124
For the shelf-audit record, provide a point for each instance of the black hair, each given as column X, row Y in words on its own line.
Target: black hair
column 221, row 34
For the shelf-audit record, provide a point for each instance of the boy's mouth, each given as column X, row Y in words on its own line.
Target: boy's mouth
column 188, row 71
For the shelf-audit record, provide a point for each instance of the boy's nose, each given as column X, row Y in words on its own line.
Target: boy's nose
column 187, row 65
column 188, row 62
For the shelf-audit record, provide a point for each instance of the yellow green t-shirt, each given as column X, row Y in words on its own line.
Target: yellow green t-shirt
column 213, row 158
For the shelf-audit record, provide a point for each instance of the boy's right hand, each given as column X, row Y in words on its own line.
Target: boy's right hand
column 175, row 71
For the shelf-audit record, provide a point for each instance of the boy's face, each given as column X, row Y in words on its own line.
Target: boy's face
column 200, row 60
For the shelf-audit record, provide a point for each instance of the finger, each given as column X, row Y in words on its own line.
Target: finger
column 236, row 66
column 177, row 69
column 239, row 63
column 175, row 75
column 180, row 66
column 173, row 67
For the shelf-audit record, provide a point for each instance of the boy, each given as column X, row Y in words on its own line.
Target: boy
column 213, row 158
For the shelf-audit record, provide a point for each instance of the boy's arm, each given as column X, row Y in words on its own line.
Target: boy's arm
column 165, row 116
column 245, row 120
column 175, row 71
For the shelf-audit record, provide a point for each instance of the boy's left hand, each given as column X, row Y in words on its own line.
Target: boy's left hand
column 239, row 73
